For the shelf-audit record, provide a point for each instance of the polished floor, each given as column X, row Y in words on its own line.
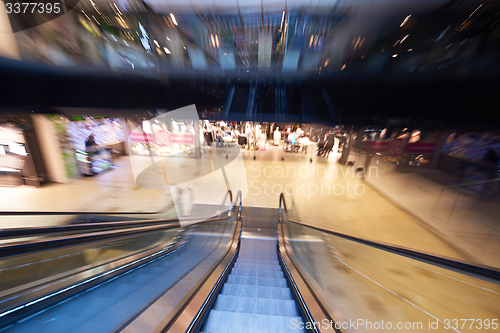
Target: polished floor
column 324, row 193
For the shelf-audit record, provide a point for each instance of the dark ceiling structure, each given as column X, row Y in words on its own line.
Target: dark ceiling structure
column 349, row 62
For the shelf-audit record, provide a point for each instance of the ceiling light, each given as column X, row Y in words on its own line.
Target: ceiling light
column 173, row 18
column 405, row 21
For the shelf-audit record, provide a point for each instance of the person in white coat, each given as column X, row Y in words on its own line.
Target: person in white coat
column 277, row 136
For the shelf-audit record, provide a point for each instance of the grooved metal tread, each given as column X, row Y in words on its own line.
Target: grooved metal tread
column 239, row 322
column 255, row 296
column 266, row 306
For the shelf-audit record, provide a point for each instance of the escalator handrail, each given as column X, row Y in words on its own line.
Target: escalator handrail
column 44, row 213
column 239, row 196
column 195, row 320
column 312, row 307
column 36, row 231
column 449, row 263
column 230, row 194
column 47, row 243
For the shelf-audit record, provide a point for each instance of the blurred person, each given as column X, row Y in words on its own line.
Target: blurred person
column 258, row 131
column 321, row 144
column 90, row 144
column 491, row 157
column 490, row 162
column 218, row 137
column 304, row 140
column 262, row 142
column 277, row 136
column 330, row 142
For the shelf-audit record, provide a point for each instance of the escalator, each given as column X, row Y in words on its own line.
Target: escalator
column 133, row 271
column 247, row 270
column 255, row 297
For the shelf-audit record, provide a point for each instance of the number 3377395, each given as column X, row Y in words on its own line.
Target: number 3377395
column 477, row 324
column 33, row 7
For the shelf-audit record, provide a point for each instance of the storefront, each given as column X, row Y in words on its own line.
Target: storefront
column 16, row 164
column 109, row 139
column 62, row 142
column 466, row 153
column 164, row 137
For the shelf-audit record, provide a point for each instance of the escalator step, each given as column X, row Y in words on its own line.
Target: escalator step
column 257, row 256
column 235, row 322
column 257, row 261
column 256, row 291
column 258, row 273
column 276, row 307
column 257, row 281
column 261, row 267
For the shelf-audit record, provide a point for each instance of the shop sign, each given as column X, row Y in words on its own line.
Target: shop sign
column 162, row 138
column 397, row 147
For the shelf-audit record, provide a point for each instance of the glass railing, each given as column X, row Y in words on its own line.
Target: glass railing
column 463, row 207
column 76, row 223
column 21, row 269
column 180, row 251
column 373, row 287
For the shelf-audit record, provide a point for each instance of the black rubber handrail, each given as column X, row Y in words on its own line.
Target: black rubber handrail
column 59, row 241
column 44, row 213
column 239, row 196
column 477, row 269
column 32, row 212
column 36, row 231
column 45, row 243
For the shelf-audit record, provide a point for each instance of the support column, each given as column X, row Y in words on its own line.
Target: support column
column 50, row 148
column 197, row 144
column 8, row 43
column 368, row 161
column 441, row 139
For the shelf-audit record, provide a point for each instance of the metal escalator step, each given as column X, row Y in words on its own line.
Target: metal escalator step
column 237, row 322
column 257, row 281
column 260, row 267
column 257, row 262
column 256, row 291
column 258, row 273
column 253, row 233
column 267, row 306
column 256, row 256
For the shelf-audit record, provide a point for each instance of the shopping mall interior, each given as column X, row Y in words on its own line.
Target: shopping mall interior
column 250, row 166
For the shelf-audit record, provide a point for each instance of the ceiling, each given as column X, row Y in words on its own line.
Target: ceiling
column 362, row 53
